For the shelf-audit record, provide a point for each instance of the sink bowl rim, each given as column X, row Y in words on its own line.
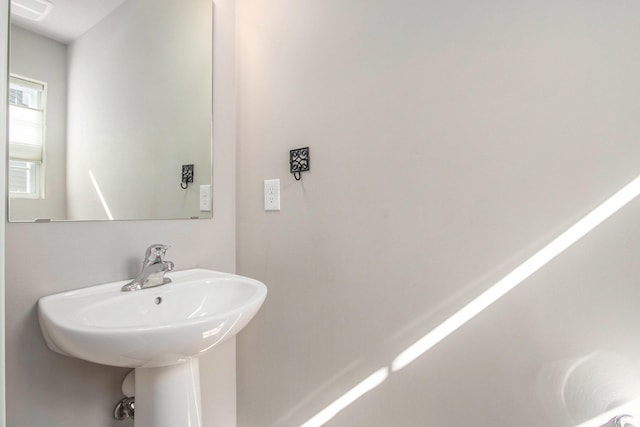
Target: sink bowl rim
column 98, row 294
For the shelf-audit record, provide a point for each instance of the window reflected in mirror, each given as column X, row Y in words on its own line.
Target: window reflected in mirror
column 27, row 118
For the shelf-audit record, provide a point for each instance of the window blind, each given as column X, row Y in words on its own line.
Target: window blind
column 26, row 120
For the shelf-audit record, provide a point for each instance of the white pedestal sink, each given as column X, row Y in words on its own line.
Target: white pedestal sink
column 158, row 331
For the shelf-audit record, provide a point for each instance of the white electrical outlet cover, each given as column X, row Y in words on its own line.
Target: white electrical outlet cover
column 272, row 195
column 205, row 198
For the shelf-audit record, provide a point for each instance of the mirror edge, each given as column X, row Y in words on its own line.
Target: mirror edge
column 4, row 213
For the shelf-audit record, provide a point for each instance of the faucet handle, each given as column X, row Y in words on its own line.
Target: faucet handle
column 155, row 252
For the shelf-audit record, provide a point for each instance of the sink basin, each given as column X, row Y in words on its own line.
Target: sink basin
column 159, row 331
column 152, row 327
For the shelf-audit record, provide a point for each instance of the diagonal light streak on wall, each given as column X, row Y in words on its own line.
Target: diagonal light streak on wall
column 484, row 300
column 519, row 274
column 366, row 385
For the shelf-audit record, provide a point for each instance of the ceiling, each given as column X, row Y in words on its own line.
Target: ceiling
column 69, row 19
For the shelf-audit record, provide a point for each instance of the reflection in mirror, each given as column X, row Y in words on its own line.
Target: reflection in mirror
column 103, row 115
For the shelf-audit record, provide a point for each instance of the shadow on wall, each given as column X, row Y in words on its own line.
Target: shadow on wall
column 587, row 387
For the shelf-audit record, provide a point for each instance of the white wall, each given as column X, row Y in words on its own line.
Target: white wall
column 44, row 388
column 45, row 60
column 449, row 142
column 130, row 127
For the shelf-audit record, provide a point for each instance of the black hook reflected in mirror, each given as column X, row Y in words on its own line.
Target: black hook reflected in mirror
column 187, row 176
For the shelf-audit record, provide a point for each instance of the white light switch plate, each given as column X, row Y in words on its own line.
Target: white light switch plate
column 272, row 195
column 205, row 198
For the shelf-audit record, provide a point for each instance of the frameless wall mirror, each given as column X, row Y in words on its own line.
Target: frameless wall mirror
column 108, row 100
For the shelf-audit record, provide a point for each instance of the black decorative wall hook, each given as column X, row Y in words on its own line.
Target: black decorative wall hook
column 187, row 176
column 299, row 162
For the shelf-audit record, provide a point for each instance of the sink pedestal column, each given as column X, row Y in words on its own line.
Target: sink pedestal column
column 168, row 396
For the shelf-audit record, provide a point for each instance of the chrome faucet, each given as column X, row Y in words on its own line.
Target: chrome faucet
column 153, row 269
